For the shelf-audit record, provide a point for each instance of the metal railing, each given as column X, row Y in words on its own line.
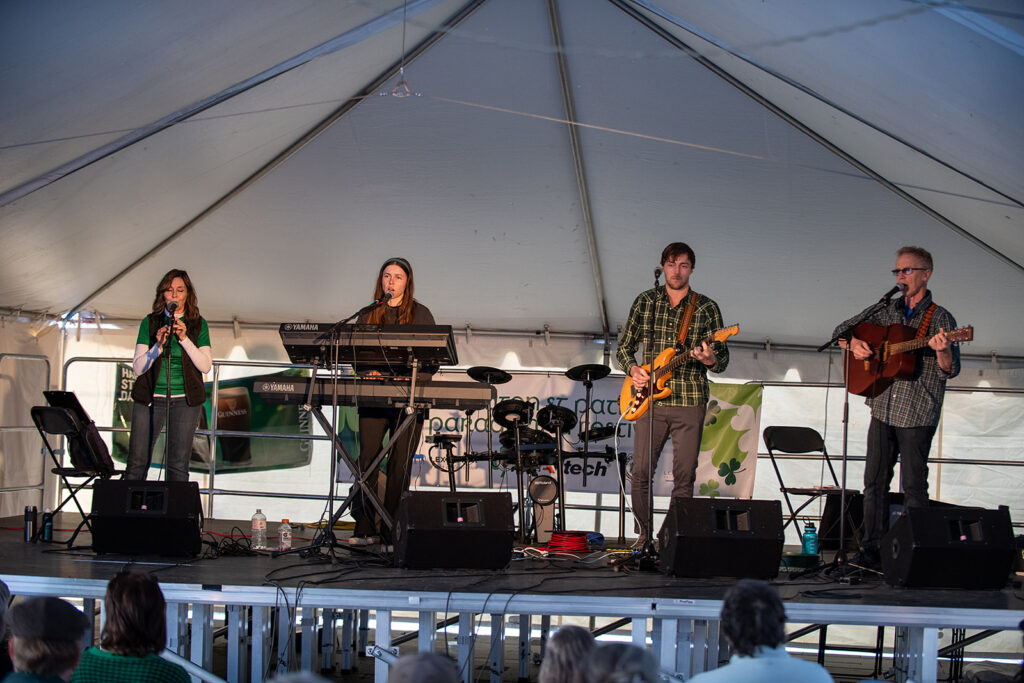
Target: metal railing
column 212, row 491
column 30, row 428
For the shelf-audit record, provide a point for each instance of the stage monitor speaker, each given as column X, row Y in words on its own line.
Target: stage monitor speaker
column 146, row 517
column 705, row 537
column 949, row 547
column 461, row 530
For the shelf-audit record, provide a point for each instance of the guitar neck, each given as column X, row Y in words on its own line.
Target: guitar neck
column 679, row 359
column 963, row 334
column 909, row 345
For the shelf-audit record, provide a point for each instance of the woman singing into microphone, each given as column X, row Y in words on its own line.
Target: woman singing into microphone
column 395, row 278
column 171, row 354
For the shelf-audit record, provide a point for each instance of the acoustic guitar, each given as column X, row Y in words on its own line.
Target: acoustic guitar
column 633, row 402
column 891, row 357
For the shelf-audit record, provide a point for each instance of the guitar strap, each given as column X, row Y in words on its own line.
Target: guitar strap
column 684, row 327
column 925, row 322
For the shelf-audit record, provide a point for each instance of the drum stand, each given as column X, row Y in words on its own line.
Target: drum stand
column 492, row 376
column 519, row 480
column 587, row 374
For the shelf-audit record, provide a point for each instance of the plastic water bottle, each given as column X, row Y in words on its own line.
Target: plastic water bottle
column 284, row 536
column 810, row 539
column 259, row 530
column 47, row 524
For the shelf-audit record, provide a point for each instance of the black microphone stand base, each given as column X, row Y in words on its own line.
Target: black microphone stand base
column 643, row 560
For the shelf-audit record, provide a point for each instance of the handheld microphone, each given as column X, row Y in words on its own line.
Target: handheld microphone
column 172, row 307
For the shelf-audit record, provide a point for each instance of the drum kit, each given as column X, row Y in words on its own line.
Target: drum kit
column 526, row 449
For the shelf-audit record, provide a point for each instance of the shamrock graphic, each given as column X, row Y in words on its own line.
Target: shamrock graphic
column 728, row 471
column 710, row 489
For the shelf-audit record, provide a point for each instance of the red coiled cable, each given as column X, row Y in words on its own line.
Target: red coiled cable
column 568, row 542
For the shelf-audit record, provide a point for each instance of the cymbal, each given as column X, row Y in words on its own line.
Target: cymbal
column 598, row 433
column 527, row 438
column 482, row 373
column 551, row 417
column 511, row 412
column 587, row 373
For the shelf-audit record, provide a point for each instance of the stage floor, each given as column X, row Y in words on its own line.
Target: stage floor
column 662, row 611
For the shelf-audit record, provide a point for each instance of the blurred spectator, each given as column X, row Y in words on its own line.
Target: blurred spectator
column 5, row 657
column 299, row 677
column 46, row 640
column 754, row 623
column 134, row 634
column 565, row 654
column 620, row 663
column 424, row 667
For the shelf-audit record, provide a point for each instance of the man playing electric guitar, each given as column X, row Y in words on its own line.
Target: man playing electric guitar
column 681, row 413
column 905, row 414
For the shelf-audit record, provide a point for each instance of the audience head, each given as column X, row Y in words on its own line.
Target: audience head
column 566, row 653
column 46, row 636
column 299, row 677
column 620, row 663
column 5, row 598
column 424, row 667
column 136, row 624
column 753, row 616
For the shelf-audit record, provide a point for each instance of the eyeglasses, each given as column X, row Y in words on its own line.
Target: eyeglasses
column 906, row 271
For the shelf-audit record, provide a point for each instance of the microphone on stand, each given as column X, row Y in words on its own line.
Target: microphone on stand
column 387, row 296
column 657, row 275
column 888, row 295
column 171, row 308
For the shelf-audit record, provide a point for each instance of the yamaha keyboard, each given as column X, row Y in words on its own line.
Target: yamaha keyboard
column 397, row 345
column 377, row 393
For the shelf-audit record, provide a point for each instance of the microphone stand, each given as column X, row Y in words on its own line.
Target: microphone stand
column 846, row 332
column 648, row 555
column 646, row 559
column 167, row 397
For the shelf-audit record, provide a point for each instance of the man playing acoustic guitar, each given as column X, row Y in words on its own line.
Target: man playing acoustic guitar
column 905, row 413
column 680, row 413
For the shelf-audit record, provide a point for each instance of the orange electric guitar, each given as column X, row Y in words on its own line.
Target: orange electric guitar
column 891, row 358
column 633, row 402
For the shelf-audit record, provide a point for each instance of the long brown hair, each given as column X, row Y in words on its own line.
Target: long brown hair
column 136, row 625
column 191, row 311
column 405, row 309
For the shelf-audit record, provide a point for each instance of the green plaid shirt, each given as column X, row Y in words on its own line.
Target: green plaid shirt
column 689, row 382
column 99, row 666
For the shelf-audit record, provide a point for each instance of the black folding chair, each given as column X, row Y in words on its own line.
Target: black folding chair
column 799, row 441
column 87, row 462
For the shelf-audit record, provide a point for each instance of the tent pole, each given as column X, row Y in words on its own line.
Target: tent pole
column 569, row 103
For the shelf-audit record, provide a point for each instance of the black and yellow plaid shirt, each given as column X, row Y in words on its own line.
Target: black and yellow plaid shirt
column 917, row 400
column 689, row 382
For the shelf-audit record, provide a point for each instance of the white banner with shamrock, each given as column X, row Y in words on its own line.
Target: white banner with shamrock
column 728, row 456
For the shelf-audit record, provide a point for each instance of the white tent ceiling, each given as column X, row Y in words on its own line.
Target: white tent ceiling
column 794, row 145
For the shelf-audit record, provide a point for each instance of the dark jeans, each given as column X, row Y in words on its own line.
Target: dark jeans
column 886, row 444
column 684, row 424
column 147, row 421
column 374, row 423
